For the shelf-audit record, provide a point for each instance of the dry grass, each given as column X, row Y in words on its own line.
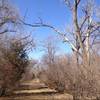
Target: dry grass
column 40, row 97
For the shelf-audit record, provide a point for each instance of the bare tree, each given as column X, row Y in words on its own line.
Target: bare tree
column 8, row 17
column 65, row 76
column 85, row 30
column 14, row 49
column 51, row 75
column 13, row 63
column 85, row 34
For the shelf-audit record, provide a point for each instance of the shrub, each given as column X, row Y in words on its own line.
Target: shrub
column 12, row 65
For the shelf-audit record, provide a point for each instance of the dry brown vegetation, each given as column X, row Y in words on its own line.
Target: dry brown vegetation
column 77, row 73
column 13, row 50
column 61, row 72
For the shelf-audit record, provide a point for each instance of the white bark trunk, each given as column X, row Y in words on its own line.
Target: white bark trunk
column 87, row 48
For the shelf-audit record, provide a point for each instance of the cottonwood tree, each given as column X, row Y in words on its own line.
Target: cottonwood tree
column 85, row 35
column 86, row 29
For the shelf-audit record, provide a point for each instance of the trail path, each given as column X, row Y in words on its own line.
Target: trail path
column 35, row 90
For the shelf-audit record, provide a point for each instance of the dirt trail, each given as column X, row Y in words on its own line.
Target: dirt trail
column 35, row 90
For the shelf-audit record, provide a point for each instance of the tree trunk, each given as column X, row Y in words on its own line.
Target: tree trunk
column 77, row 29
column 87, row 42
column 87, row 49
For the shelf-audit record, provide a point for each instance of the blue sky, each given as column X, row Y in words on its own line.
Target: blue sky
column 52, row 11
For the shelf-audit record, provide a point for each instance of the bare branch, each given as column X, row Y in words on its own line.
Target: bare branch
column 82, row 24
column 54, row 29
column 78, row 1
column 5, row 31
column 95, row 28
column 68, row 3
column 77, row 29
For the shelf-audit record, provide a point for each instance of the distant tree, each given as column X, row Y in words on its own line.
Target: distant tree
column 30, row 70
column 51, row 74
